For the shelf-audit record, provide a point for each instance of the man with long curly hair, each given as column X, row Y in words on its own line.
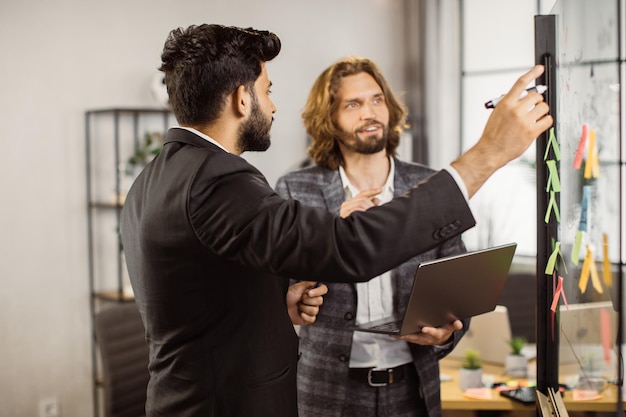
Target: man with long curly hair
column 355, row 121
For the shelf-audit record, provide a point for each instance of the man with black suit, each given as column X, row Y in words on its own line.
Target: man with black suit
column 208, row 242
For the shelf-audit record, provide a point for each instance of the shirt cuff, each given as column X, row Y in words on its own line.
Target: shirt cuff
column 446, row 346
column 459, row 181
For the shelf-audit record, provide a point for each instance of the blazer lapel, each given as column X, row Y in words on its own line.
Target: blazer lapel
column 333, row 192
column 400, row 183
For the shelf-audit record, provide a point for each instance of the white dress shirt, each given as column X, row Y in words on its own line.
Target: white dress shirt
column 375, row 301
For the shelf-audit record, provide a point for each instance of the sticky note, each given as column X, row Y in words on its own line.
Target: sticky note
column 553, row 177
column 578, row 158
column 557, row 294
column 552, row 207
column 592, row 167
column 552, row 143
column 550, row 266
column 589, row 270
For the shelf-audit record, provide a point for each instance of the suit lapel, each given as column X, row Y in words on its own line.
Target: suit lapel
column 333, row 192
column 400, row 183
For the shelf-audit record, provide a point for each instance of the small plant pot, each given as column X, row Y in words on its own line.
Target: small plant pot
column 470, row 378
column 516, row 365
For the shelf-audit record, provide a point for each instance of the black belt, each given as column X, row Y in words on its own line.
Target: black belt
column 380, row 377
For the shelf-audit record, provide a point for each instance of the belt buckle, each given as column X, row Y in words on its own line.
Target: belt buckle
column 379, row 384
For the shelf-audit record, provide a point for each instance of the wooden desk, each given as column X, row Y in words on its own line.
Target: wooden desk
column 452, row 397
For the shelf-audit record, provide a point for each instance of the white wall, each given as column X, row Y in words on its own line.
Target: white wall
column 505, row 207
column 62, row 57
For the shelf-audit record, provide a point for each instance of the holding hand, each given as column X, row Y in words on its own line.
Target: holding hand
column 433, row 335
column 304, row 301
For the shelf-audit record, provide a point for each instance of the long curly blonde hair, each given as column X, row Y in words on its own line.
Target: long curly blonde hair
column 321, row 107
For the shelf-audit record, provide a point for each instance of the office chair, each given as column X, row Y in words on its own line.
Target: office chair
column 124, row 358
column 520, row 298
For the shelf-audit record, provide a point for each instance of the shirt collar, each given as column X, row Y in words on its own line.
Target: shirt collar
column 203, row 136
column 352, row 190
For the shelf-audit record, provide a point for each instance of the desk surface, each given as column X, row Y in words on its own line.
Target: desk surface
column 452, row 397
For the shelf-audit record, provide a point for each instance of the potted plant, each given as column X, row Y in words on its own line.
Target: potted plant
column 471, row 372
column 516, row 364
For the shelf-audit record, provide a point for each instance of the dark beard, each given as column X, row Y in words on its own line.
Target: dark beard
column 254, row 133
column 368, row 146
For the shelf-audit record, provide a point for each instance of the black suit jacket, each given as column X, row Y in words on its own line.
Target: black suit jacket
column 208, row 242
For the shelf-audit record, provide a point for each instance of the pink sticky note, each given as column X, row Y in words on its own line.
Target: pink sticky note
column 605, row 331
column 478, row 393
column 585, row 395
column 578, row 159
column 557, row 294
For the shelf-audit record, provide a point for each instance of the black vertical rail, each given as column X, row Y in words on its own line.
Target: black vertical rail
column 547, row 337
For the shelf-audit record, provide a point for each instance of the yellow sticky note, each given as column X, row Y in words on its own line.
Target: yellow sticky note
column 584, row 273
column 590, row 153
column 592, row 166
column 595, row 166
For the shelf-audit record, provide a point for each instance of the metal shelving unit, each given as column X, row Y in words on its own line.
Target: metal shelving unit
column 112, row 135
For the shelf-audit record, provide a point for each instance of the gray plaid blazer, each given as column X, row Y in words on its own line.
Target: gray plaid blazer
column 326, row 345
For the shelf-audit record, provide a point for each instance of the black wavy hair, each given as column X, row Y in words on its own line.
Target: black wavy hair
column 204, row 64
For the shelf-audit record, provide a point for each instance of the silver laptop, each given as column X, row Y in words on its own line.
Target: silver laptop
column 450, row 288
